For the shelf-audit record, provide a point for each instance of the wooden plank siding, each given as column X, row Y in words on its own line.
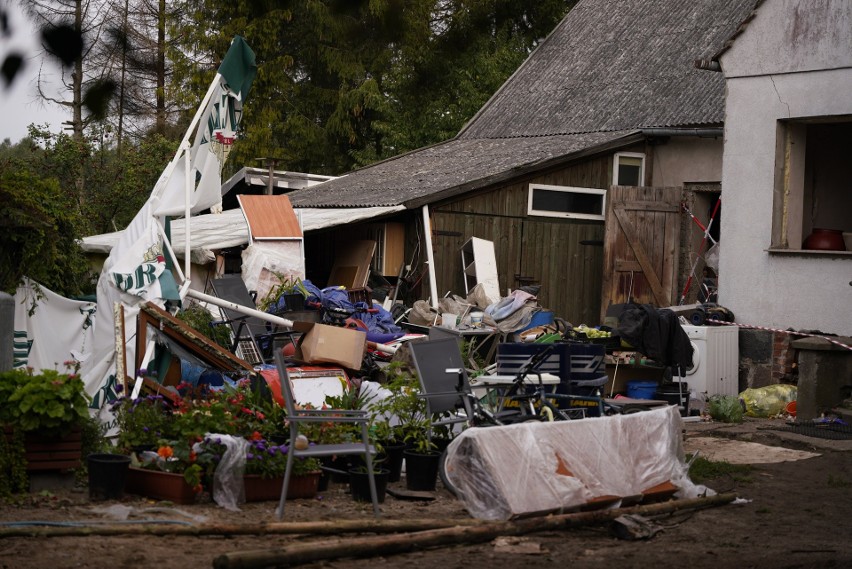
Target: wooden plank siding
column 549, row 250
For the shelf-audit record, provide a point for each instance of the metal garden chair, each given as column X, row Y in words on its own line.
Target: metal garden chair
column 296, row 417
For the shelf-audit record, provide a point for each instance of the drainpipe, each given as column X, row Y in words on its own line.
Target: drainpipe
column 712, row 132
column 430, row 257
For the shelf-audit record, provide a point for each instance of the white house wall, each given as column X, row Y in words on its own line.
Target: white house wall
column 773, row 72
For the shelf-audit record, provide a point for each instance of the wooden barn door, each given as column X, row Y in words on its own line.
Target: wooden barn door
column 641, row 246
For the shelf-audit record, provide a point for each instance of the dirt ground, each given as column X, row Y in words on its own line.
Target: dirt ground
column 793, row 514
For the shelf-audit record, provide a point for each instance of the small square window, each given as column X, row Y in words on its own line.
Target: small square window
column 566, row 201
column 628, row 169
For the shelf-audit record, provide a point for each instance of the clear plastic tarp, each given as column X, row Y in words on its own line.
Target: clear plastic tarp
column 529, row 468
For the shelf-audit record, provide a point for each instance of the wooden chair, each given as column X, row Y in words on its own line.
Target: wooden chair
column 296, row 417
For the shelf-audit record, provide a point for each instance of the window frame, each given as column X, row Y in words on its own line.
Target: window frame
column 565, row 189
column 615, row 163
column 789, row 191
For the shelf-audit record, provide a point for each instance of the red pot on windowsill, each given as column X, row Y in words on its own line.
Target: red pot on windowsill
column 825, row 240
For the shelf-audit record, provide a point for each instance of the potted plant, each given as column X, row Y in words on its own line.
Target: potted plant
column 41, row 414
column 406, row 420
column 288, row 294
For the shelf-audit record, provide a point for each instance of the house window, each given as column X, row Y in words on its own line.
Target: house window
column 566, row 201
column 628, row 169
column 813, row 172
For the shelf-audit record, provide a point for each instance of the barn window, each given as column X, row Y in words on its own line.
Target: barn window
column 812, row 179
column 628, row 169
column 566, row 201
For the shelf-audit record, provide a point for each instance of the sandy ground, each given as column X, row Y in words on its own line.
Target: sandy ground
column 793, row 511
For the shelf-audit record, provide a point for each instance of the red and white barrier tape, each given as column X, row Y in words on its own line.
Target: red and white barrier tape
column 792, row 332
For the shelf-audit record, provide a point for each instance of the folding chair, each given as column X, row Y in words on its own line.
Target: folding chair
column 443, row 380
column 295, row 417
column 445, row 387
column 252, row 338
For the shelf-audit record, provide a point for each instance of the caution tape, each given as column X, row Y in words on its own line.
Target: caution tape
column 791, row 332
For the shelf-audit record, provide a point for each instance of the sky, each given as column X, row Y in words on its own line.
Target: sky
column 19, row 102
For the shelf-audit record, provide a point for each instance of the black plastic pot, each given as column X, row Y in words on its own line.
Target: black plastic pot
column 359, row 484
column 392, row 458
column 421, row 470
column 107, row 475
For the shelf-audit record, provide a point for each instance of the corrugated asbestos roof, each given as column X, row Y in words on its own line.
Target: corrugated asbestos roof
column 611, row 67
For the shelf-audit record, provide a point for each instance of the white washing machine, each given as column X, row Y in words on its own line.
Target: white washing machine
column 715, row 360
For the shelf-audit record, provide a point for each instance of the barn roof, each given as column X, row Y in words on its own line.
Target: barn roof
column 609, row 69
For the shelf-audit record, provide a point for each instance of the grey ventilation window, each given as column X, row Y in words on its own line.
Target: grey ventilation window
column 566, row 201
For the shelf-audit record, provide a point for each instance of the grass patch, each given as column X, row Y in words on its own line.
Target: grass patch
column 838, row 482
column 703, row 469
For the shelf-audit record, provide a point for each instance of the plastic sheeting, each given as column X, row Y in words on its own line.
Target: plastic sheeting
column 529, row 468
column 281, row 257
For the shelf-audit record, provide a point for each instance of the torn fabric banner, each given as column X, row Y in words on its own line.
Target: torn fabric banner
column 213, row 138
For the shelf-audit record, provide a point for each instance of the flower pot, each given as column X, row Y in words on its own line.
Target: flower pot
column 159, row 485
column 393, row 460
column 107, row 476
column 337, row 469
column 259, row 489
column 825, row 240
column 421, row 469
column 359, row 484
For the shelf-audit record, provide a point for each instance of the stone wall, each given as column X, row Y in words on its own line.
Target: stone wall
column 766, row 358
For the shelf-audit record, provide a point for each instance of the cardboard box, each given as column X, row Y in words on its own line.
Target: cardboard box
column 321, row 343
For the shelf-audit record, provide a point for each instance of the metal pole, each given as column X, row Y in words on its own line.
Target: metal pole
column 239, row 308
column 430, row 257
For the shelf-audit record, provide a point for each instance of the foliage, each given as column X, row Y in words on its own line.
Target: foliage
column 263, row 458
column 13, row 464
column 402, row 415
column 181, row 432
column 39, row 233
column 343, row 84
column 200, row 319
column 271, row 302
column 48, row 403
column 142, row 422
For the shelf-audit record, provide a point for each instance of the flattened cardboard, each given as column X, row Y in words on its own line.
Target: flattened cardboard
column 321, row 343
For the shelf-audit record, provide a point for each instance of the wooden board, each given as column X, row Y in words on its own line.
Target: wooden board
column 270, row 217
column 352, row 264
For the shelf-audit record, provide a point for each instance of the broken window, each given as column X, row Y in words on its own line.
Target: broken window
column 812, row 179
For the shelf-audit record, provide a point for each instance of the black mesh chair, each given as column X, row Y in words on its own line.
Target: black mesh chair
column 252, row 336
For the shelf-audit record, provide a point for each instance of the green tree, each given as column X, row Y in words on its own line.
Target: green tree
column 39, row 233
column 342, row 83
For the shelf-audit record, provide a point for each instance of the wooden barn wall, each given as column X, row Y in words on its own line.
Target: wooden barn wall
column 564, row 256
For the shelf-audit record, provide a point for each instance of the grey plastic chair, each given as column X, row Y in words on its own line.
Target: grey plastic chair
column 295, row 417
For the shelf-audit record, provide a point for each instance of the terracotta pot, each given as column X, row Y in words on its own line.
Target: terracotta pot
column 825, row 240
column 260, row 489
column 159, row 485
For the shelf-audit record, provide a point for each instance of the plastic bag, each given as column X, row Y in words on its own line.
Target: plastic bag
column 228, row 490
column 725, row 408
column 768, row 401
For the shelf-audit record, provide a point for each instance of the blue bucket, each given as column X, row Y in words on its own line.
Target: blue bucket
column 641, row 389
